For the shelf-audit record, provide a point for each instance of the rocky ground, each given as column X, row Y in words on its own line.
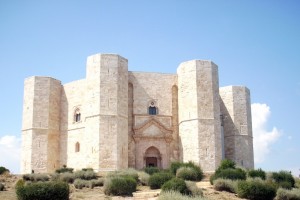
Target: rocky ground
column 143, row 193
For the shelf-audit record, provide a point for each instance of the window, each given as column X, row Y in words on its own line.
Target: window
column 77, row 147
column 152, row 110
column 77, row 115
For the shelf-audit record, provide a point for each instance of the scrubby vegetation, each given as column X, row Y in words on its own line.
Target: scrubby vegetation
column 156, row 180
column 284, row 179
column 176, row 184
column 151, row 170
column 225, row 185
column 257, row 173
column 120, row 185
column 64, row 169
column 3, row 170
column 284, row 194
column 125, row 173
column 196, row 192
column 143, row 178
column 255, row 189
column 42, row 191
column 188, row 171
column 36, row 177
column 174, row 195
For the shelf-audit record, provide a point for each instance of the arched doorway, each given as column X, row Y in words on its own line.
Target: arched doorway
column 152, row 157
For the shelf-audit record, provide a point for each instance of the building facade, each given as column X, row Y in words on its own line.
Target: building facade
column 115, row 119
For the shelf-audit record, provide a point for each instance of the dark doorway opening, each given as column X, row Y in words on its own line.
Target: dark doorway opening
column 151, row 162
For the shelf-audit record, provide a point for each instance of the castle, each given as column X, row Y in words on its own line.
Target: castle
column 115, row 119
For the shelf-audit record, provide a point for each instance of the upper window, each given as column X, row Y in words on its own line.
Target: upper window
column 77, row 115
column 152, row 110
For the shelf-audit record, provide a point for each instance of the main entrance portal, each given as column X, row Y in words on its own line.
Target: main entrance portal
column 152, row 157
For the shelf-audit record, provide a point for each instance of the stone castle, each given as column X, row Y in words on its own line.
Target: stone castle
column 115, row 119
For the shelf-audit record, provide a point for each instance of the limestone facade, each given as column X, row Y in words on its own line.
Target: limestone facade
column 115, row 119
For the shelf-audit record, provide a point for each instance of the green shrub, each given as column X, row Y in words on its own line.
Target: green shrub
column 80, row 183
column 283, row 176
column 257, row 173
column 174, row 166
column 196, row 192
column 151, row 170
column 144, row 178
column 255, row 190
column 3, row 170
column 174, row 195
column 85, row 175
column 226, row 164
column 297, row 183
column 197, row 171
column 43, row 191
column 67, row 177
column 229, row 173
column 64, row 169
column 176, row 184
column 96, row 183
column 285, row 185
column 120, row 185
column 126, row 172
column 158, row 179
column 1, row 187
column 283, row 194
column 87, row 169
column 187, row 173
column 36, row 177
column 225, row 185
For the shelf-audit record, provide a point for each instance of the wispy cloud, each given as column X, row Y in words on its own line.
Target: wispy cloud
column 262, row 138
column 10, row 150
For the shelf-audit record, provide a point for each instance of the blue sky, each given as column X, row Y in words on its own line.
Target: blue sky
column 254, row 43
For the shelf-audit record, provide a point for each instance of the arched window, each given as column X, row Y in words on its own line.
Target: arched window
column 77, row 147
column 77, row 115
column 152, row 110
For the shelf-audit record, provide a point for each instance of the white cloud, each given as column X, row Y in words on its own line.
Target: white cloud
column 262, row 138
column 10, row 151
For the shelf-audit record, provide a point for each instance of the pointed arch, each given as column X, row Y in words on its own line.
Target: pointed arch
column 77, row 115
column 77, row 147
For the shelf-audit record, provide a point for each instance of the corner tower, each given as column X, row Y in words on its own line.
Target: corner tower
column 235, row 107
column 106, row 107
column 199, row 113
column 40, row 128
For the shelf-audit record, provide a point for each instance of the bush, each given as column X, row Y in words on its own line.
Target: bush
column 80, row 183
column 196, row 192
column 283, row 194
column 176, row 184
column 144, row 178
column 158, row 179
column 87, row 169
column 226, row 164
column 198, row 173
column 174, row 166
column 174, row 195
column 126, row 172
column 120, row 185
column 96, row 183
column 1, row 187
column 85, row 175
column 64, row 169
column 225, row 185
column 151, row 170
column 257, row 173
column 36, row 177
column 255, row 190
column 229, row 173
column 187, row 173
column 283, row 176
column 3, row 170
column 43, row 191
column 67, row 177
column 297, row 183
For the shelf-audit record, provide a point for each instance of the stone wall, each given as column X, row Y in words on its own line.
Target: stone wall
column 199, row 113
column 236, row 114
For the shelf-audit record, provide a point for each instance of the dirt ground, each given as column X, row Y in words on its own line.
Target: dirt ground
column 143, row 192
